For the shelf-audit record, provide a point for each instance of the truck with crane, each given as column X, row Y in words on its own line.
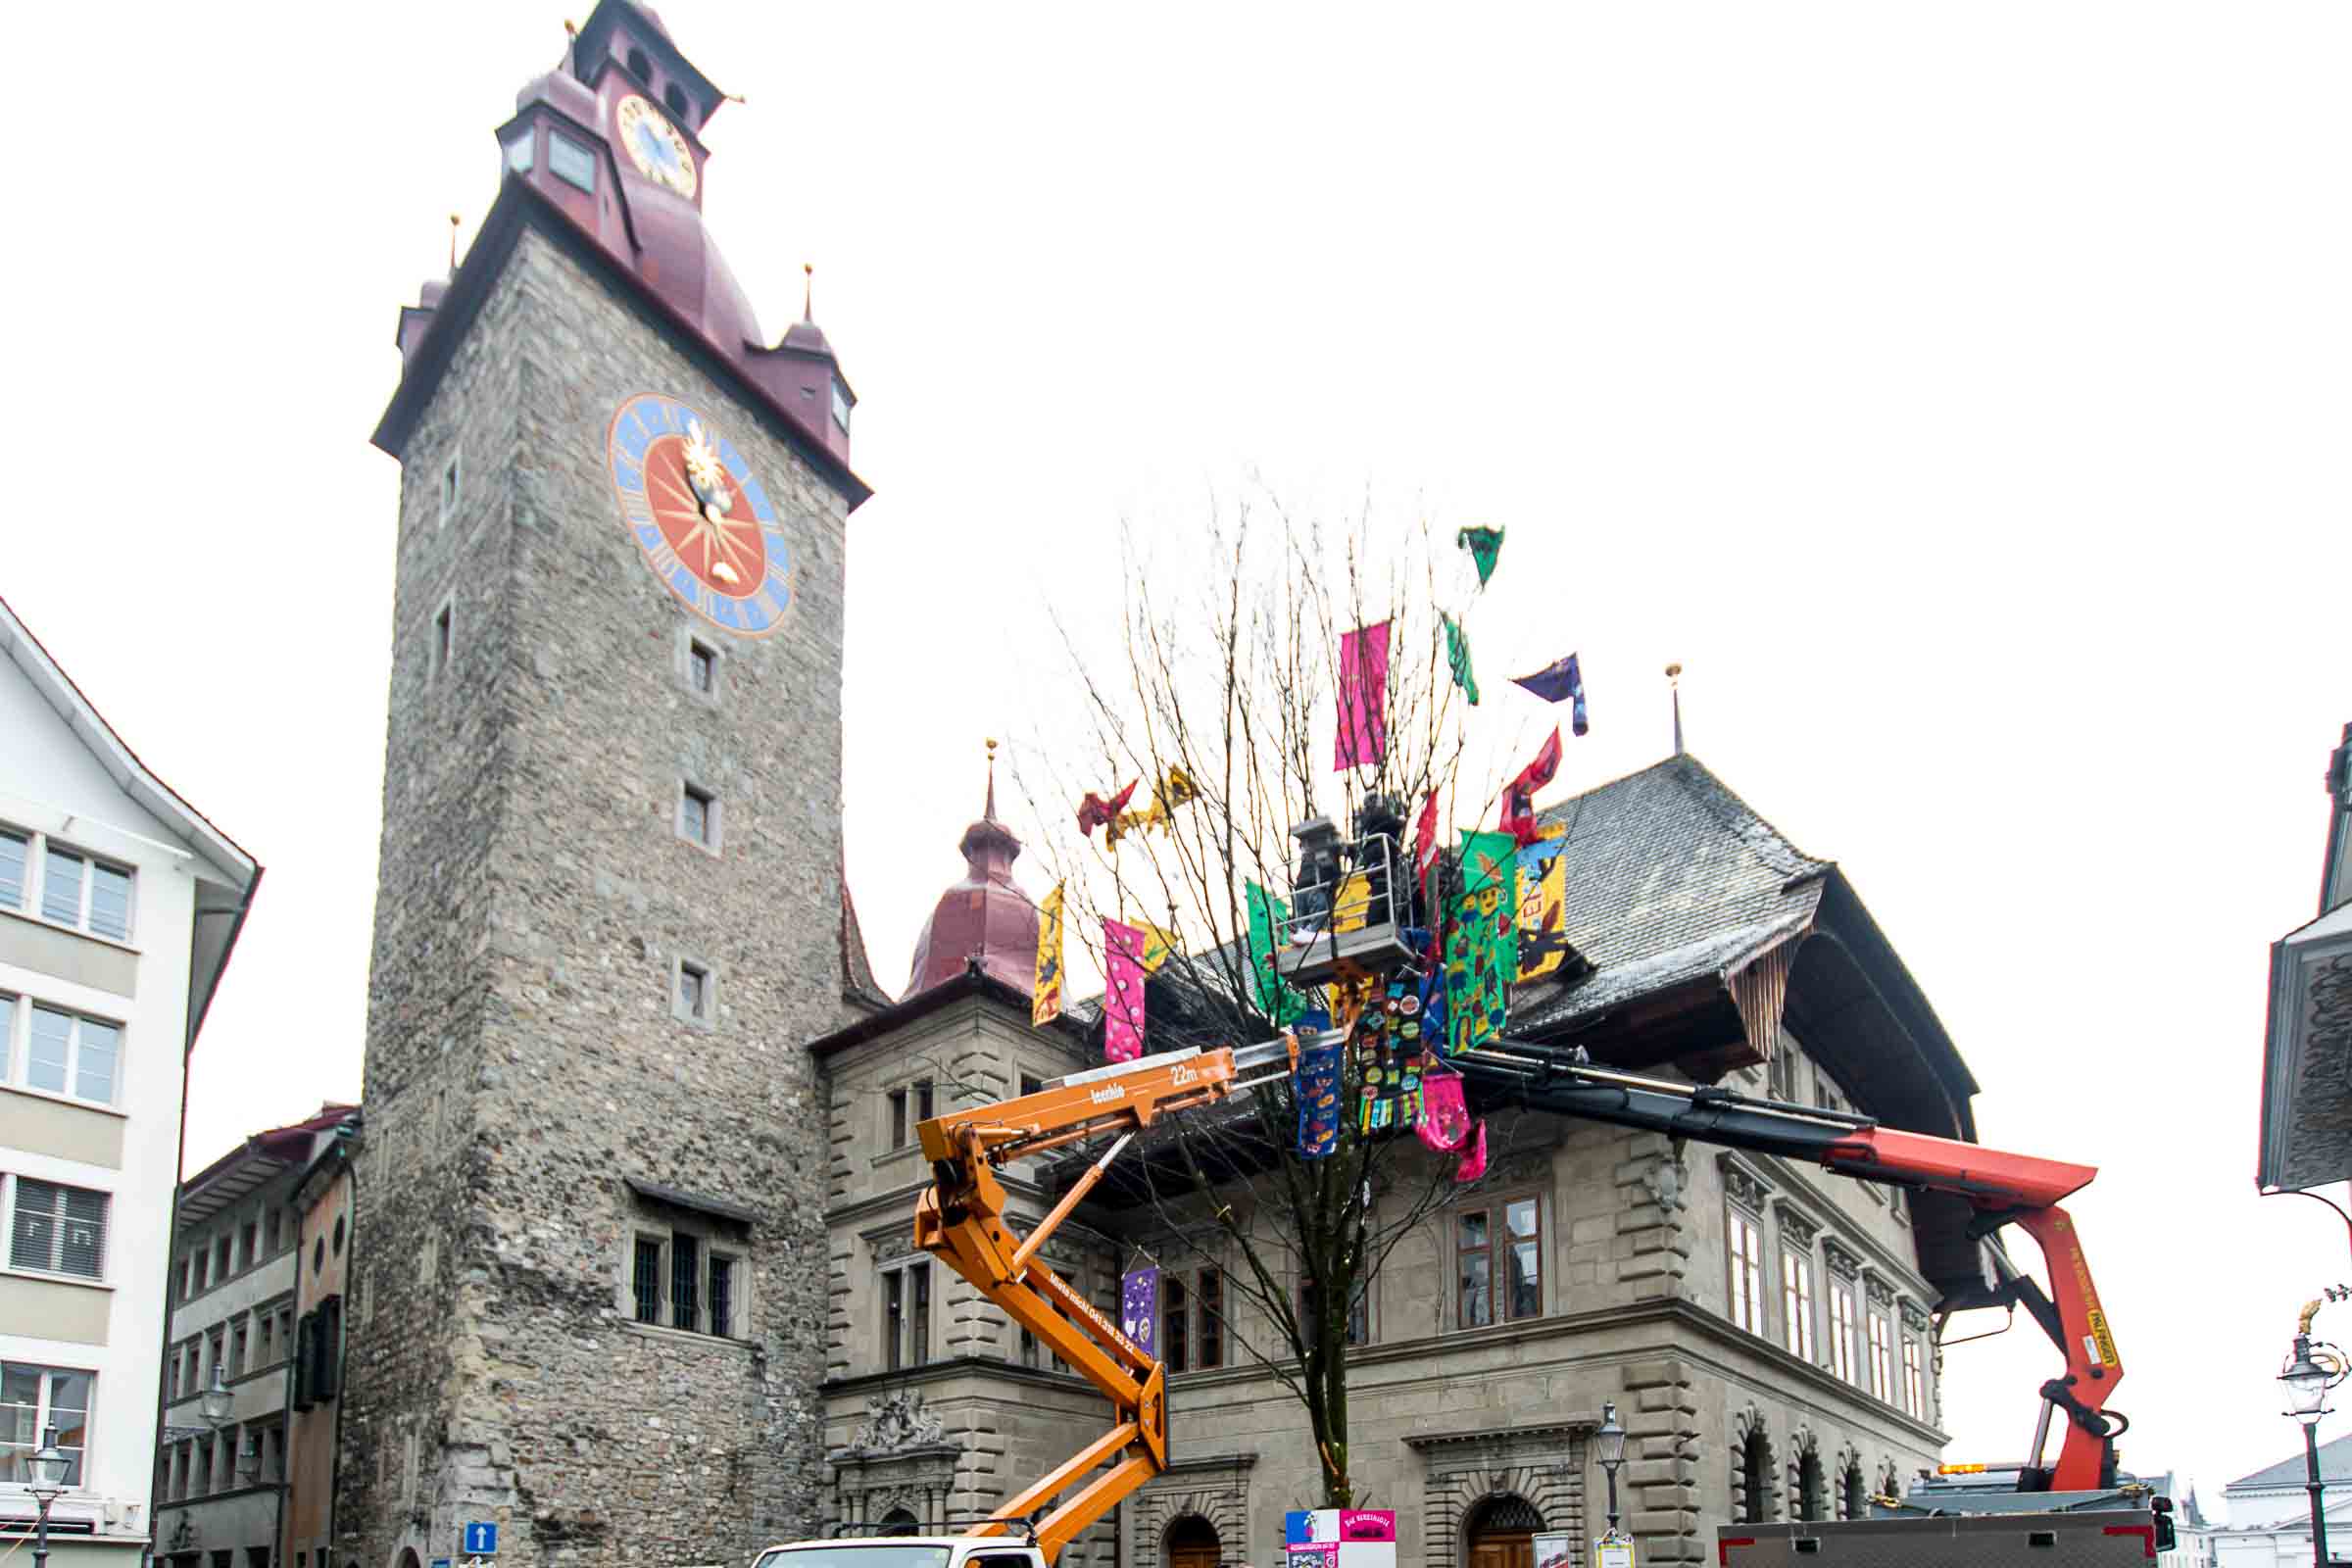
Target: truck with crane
column 2066, row 1511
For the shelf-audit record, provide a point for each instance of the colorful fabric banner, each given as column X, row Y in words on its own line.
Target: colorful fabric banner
column 1542, row 907
column 1484, row 545
column 1122, row 991
column 1561, row 680
column 1352, row 903
column 1139, row 1309
column 1445, row 1112
column 1095, row 811
column 1457, row 657
column 1388, row 1058
column 1519, row 795
column 1317, row 1090
column 1482, row 940
column 1159, row 946
column 1425, row 839
column 1474, row 1158
column 1045, row 997
column 1363, row 734
column 1275, row 999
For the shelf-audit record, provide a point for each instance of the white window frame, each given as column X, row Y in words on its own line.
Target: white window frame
column 1797, row 1303
column 1743, row 1261
column 12, row 1198
column 35, row 893
column 16, row 1011
column 899, row 1340
column 43, row 1411
column 712, row 1245
column 1499, row 1245
column 840, row 405
column 1882, row 1361
column 1842, row 1358
column 1915, row 1382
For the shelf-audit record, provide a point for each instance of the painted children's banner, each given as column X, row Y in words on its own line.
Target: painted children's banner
column 1482, row 940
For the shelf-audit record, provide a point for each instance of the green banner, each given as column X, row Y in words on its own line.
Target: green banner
column 1276, row 999
column 1482, row 940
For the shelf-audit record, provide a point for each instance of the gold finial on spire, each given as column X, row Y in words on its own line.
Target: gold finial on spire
column 453, row 244
column 809, row 313
column 1673, row 683
column 990, row 811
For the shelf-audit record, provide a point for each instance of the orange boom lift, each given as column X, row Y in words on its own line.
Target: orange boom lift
column 963, row 1219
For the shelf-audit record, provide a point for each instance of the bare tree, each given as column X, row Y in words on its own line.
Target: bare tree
column 1232, row 686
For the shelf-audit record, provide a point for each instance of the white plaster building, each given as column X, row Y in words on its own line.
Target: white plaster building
column 2270, row 1512
column 118, row 908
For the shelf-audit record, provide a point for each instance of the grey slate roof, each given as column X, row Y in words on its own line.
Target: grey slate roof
column 2335, row 1464
column 1671, row 878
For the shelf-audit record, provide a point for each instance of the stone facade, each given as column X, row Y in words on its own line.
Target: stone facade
column 537, row 1111
column 1451, row 1426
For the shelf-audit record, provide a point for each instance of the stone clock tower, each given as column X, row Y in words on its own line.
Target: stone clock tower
column 589, row 1297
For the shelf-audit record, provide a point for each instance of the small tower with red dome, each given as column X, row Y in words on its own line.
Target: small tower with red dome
column 984, row 919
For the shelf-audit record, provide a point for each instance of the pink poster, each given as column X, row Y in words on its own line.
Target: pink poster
column 1363, row 735
column 1122, row 991
column 1367, row 1524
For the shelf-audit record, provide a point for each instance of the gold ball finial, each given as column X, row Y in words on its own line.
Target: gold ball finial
column 992, row 746
column 1673, row 670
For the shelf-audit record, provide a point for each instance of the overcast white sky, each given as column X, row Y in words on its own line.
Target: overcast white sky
column 1959, row 392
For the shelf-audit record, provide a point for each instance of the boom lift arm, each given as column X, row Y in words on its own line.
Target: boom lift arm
column 2005, row 1189
column 963, row 1219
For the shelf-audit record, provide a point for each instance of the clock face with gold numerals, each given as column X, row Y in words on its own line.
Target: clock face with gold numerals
column 654, row 145
column 702, row 519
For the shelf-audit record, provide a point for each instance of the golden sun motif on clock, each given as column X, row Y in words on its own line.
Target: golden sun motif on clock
column 699, row 516
column 654, row 145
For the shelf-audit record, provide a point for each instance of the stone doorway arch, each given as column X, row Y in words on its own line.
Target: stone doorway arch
column 899, row 1522
column 1192, row 1541
column 1500, row 1532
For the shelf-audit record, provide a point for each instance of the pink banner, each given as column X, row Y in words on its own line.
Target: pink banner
column 1364, row 698
column 1122, row 991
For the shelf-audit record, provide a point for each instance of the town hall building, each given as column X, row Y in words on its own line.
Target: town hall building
column 634, row 1279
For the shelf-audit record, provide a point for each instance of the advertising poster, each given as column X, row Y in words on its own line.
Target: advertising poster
column 1553, row 1552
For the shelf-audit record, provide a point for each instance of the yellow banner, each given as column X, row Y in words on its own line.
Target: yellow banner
column 1543, row 917
column 1045, row 1005
column 1159, row 946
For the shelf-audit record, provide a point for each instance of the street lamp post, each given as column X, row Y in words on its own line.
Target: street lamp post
column 1608, row 1444
column 48, row 1466
column 2308, row 1379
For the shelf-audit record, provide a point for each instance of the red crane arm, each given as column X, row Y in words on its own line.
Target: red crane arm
column 2005, row 1189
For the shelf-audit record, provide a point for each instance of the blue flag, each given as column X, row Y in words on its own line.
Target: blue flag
column 1557, row 681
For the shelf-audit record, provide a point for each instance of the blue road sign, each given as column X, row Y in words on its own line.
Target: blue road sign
column 482, row 1538
column 440, row 1562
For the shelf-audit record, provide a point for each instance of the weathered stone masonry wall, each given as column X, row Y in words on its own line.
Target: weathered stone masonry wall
column 536, row 1008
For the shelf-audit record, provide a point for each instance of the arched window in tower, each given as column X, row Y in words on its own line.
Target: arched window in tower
column 1192, row 1542
column 639, row 68
column 1501, row 1532
column 675, row 96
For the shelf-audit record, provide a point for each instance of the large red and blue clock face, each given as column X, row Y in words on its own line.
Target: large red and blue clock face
column 699, row 514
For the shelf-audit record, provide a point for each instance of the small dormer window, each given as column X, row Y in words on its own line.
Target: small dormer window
column 840, row 405
column 571, row 162
column 675, row 96
column 639, row 68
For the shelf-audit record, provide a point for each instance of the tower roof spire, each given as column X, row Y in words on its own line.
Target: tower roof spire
column 809, row 313
column 988, row 812
column 1673, row 684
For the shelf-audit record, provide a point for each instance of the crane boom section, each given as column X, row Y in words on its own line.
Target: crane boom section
column 2005, row 1189
column 963, row 1219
